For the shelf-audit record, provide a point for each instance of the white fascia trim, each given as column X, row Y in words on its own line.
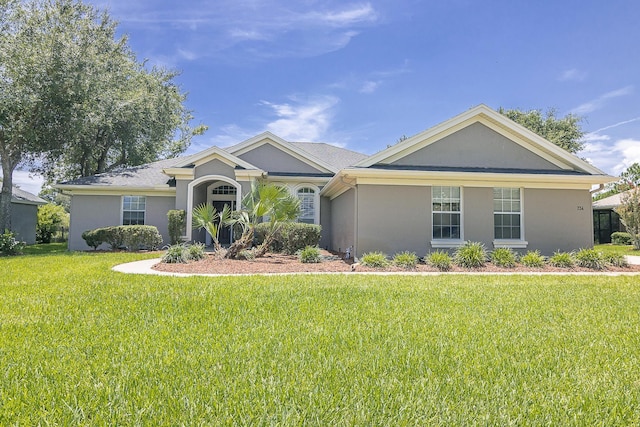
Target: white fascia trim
column 276, row 141
column 112, row 190
column 446, row 243
column 211, row 154
column 296, row 179
column 180, row 173
column 507, row 243
column 248, row 175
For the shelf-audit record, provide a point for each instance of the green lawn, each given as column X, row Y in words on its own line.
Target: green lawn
column 82, row 345
column 617, row 249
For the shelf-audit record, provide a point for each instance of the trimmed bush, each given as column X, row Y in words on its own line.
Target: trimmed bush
column 471, row 255
column 182, row 253
column 503, row 257
column 562, row 260
column 374, row 259
column 9, row 245
column 291, row 237
column 440, row 260
column 621, row 238
column 177, row 219
column 532, row 259
column 133, row 237
column 590, row 258
column 310, row 255
column 616, row 260
column 405, row 259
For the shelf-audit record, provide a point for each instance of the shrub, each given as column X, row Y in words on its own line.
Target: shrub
column 176, row 254
column 93, row 238
column 405, row 260
column 562, row 260
column 616, row 260
column 310, row 254
column 374, row 259
column 133, row 237
column 196, row 251
column 503, row 257
column 471, row 255
column 621, row 238
column 248, row 254
column 590, row 258
column 532, row 259
column 440, row 260
column 177, row 223
column 291, row 237
column 51, row 218
column 9, row 245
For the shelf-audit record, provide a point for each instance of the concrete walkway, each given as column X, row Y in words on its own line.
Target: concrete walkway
column 144, row 267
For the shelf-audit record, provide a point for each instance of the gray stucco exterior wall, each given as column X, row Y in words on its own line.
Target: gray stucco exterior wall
column 156, row 214
column 393, row 219
column 89, row 212
column 325, row 222
column 270, row 158
column 24, row 218
column 558, row 220
column 343, row 210
column 476, row 146
column 477, row 215
column 214, row 167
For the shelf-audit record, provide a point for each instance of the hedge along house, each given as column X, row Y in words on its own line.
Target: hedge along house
column 478, row 176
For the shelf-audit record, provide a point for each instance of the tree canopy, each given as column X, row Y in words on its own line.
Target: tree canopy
column 565, row 132
column 74, row 101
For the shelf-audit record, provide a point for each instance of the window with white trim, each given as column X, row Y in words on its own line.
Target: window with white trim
column 307, row 197
column 507, row 214
column 133, row 210
column 446, row 211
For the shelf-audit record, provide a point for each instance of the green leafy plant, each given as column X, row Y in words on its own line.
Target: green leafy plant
column 405, row 259
column 616, row 260
column 247, row 254
column 196, row 251
column 562, row 260
column 621, row 238
column 9, row 245
column 503, row 257
column 440, row 260
column 177, row 222
column 133, row 237
column 471, row 255
column 176, row 254
column 51, row 218
column 206, row 217
column 310, row 254
column 532, row 259
column 374, row 259
column 291, row 236
column 629, row 212
column 590, row 258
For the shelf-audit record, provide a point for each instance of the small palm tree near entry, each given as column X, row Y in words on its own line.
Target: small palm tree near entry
column 207, row 217
column 266, row 202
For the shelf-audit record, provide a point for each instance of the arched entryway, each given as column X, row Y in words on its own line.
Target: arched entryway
column 219, row 195
column 211, row 189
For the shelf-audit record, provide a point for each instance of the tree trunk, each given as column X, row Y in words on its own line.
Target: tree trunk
column 5, row 195
column 239, row 245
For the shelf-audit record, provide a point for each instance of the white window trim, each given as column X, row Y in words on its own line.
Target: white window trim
column 122, row 207
column 520, row 243
column 316, row 199
column 448, row 243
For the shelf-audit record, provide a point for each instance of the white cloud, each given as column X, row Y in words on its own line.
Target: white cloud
column 307, row 120
column 27, row 181
column 572, row 74
column 599, row 102
column 369, row 86
column 351, row 15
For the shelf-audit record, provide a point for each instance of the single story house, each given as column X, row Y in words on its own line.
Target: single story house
column 606, row 220
column 476, row 177
column 24, row 214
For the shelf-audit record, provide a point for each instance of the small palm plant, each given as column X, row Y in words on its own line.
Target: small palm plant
column 205, row 216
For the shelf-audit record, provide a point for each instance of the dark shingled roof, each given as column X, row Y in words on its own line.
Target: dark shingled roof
column 20, row 196
column 150, row 175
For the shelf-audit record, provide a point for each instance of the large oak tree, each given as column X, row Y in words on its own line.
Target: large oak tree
column 74, row 100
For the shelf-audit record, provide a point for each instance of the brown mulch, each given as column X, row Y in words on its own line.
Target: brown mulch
column 334, row 263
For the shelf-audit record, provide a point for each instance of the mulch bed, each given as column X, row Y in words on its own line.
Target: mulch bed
column 334, row 263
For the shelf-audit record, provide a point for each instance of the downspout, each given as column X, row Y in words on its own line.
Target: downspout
column 600, row 188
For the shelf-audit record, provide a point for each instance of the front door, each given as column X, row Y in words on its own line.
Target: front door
column 224, row 236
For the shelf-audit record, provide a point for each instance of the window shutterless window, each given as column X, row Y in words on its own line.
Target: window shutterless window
column 133, row 210
column 507, row 213
column 307, row 197
column 446, row 208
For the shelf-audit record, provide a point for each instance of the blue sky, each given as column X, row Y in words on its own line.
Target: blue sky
column 360, row 74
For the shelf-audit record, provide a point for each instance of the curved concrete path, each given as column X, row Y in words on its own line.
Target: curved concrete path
column 144, row 267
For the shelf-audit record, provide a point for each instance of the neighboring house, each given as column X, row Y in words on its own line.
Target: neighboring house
column 605, row 219
column 24, row 214
column 478, row 176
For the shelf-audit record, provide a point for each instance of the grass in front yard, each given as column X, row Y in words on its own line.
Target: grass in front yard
column 81, row 344
column 608, row 248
